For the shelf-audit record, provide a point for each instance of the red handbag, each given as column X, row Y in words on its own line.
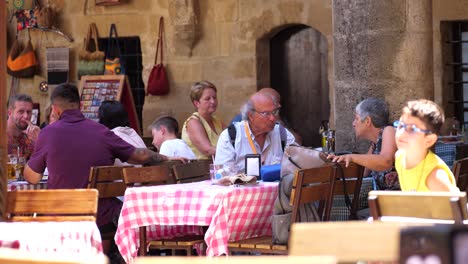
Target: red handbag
column 158, row 84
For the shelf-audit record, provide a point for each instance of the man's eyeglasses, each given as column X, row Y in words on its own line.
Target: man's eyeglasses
column 269, row 113
column 410, row 129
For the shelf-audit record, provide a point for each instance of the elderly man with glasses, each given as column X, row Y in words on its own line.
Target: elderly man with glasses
column 257, row 133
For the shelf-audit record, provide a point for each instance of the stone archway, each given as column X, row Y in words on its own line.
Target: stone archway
column 298, row 70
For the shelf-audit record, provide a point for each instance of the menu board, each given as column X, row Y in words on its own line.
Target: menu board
column 96, row 89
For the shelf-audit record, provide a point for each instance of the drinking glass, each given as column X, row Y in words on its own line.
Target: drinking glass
column 11, row 167
column 216, row 171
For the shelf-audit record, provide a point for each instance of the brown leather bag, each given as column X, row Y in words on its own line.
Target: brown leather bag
column 46, row 16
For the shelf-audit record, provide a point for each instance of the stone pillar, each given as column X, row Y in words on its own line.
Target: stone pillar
column 184, row 22
column 382, row 48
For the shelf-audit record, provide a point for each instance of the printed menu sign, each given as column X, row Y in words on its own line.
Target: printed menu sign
column 94, row 93
column 96, row 89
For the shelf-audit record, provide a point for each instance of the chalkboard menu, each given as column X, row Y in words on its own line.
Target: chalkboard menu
column 96, row 89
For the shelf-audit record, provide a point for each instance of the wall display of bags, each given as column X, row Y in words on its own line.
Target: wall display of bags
column 31, row 14
column 90, row 58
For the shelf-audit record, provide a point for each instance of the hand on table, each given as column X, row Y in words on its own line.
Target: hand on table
column 391, row 178
column 181, row 159
column 347, row 158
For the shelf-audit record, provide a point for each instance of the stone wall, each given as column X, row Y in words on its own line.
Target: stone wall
column 205, row 39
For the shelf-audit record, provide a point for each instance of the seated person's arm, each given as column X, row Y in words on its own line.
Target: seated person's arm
column 291, row 138
column 224, row 150
column 148, row 157
column 376, row 162
column 438, row 181
column 31, row 176
column 197, row 134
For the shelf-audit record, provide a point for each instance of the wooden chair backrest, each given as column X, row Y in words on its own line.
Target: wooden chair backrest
column 192, row 172
column 15, row 256
column 349, row 241
column 353, row 176
column 52, row 205
column 144, row 176
column 239, row 260
column 170, row 166
column 425, row 205
column 108, row 180
column 460, row 171
column 314, row 184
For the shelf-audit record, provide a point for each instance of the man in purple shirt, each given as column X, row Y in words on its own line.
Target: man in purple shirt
column 72, row 145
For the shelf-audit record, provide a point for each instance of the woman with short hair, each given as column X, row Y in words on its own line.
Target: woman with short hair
column 201, row 130
column 371, row 123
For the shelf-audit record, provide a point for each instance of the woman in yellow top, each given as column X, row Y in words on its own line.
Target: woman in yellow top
column 201, row 130
column 419, row 169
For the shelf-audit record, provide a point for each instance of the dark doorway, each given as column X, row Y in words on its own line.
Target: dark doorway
column 298, row 70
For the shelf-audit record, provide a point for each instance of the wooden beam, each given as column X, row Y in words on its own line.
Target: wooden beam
column 3, row 112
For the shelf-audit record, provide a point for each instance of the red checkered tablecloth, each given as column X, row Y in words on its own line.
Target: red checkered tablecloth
column 70, row 238
column 232, row 213
column 24, row 185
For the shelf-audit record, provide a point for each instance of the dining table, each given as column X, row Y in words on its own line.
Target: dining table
column 70, row 238
column 229, row 212
column 24, row 185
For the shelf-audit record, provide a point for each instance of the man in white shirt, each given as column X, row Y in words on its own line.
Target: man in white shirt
column 164, row 130
column 257, row 133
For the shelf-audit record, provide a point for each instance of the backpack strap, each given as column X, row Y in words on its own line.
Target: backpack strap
column 232, row 134
column 283, row 136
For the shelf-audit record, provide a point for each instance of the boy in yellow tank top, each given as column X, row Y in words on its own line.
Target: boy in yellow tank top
column 419, row 169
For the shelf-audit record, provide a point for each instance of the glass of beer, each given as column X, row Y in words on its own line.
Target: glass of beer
column 11, row 167
column 20, row 168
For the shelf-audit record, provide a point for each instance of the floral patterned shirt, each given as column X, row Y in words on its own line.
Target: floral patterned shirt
column 25, row 144
column 379, row 176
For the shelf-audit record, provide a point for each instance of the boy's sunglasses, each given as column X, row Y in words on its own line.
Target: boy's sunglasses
column 410, row 129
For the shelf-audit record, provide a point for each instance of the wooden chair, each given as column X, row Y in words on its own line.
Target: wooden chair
column 437, row 207
column 192, row 172
column 157, row 175
column 108, row 180
column 52, row 205
column 349, row 241
column 309, row 185
column 349, row 181
column 15, row 256
column 460, row 171
column 239, row 260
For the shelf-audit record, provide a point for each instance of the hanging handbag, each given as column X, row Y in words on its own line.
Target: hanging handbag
column 46, row 16
column 22, row 60
column 90, row 58
column 158, row 84
column 114, row 64
column 26, row 14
